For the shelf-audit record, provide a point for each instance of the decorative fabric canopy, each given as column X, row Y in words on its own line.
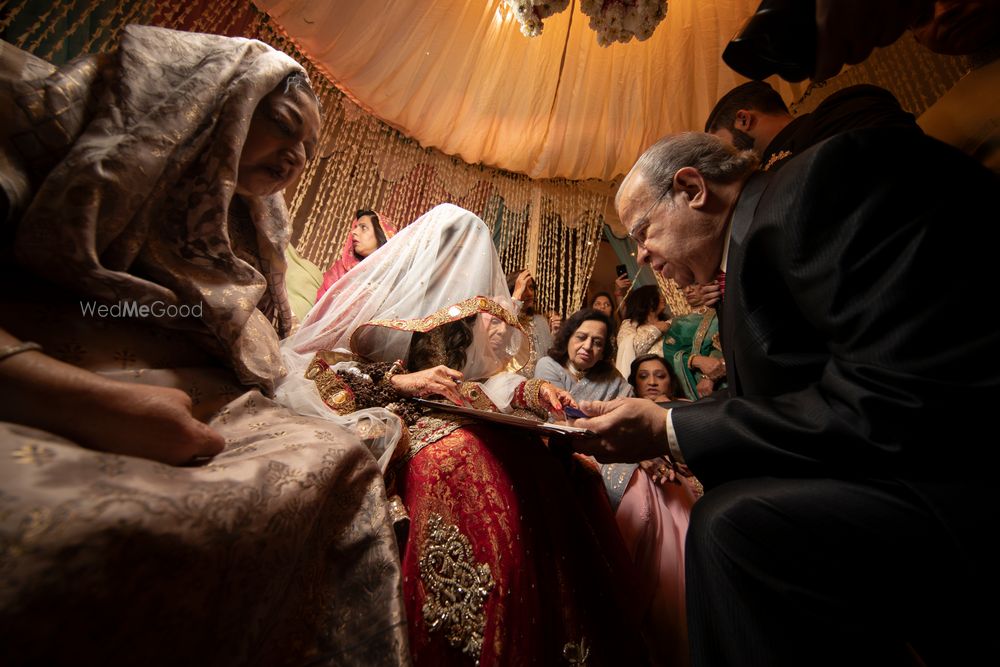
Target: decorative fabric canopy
column 515, row 100
column 459, row 76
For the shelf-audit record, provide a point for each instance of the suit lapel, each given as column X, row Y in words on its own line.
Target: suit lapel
column 731, row 302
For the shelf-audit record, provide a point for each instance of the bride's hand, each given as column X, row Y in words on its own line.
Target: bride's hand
column 439, row 380
column 554, row 398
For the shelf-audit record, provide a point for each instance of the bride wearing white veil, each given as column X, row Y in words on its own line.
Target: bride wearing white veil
column 512, row 554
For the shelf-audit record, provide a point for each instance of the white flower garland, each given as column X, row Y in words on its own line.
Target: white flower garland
column 612, row 20
column 531, row 13
column 621, row 20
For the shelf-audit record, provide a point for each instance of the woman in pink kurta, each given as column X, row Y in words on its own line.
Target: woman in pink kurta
column 369, row 232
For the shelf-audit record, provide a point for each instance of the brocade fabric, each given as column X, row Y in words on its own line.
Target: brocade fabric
column 277, row 552
column 120, row 170
column 530, row 528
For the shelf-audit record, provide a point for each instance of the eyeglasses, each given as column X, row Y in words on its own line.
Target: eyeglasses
column 638, row 231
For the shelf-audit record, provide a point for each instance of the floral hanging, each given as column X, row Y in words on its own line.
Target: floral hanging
column 621, row 20
column 612, row 20
column 531, row 13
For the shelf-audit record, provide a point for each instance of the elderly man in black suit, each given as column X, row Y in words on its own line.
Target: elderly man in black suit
column 850, row 475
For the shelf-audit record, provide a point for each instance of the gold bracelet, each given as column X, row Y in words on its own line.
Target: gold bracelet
column 332, row 388
column 396, row 368
column 532, row 396
column 18, row 348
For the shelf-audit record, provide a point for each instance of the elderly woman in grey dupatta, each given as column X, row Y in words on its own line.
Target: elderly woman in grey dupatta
column 144, row 231
column 578, row 360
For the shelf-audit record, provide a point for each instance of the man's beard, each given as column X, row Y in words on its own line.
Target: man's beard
column 742, row 140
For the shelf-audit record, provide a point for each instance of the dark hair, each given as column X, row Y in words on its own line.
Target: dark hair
column 613, row 320
column 755, row 95
column 640, row 302
column 376, row 227
column 560, row 346
column 453, row 338
column 611, row 300
column 640, row 360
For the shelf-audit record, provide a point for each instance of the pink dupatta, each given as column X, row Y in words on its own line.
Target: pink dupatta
column 348, row 260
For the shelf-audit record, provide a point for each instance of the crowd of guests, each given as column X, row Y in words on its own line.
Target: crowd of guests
column 207, row 481
column 318, row 512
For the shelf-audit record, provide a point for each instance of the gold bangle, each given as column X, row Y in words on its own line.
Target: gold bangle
column 396, row 368
column 532, row 396
column 332, row 388
column 18, row 348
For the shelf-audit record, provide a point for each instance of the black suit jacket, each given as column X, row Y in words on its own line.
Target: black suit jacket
column 855, row 336
column 851, row 108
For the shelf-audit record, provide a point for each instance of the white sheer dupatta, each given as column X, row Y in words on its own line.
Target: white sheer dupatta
column 441, row 268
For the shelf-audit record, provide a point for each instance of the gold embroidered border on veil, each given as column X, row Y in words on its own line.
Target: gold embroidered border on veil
column 461, row 310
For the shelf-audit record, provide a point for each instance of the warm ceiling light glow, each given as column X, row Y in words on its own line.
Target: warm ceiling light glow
column 499, row 17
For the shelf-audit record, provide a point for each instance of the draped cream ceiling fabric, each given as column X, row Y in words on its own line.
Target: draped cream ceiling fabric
column 459, row 76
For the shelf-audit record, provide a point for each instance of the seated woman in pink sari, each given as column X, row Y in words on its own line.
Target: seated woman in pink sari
column 512, row 556
column 369, row 232
column 653, row 517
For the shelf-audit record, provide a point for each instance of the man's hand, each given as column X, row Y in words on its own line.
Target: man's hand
column 629, row 430
column 439, row 380
column 708, row 294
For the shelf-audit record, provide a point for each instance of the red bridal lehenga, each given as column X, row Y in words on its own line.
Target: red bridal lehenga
column 512, row 555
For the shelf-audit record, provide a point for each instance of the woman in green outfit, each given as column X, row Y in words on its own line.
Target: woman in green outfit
column 691, row 347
